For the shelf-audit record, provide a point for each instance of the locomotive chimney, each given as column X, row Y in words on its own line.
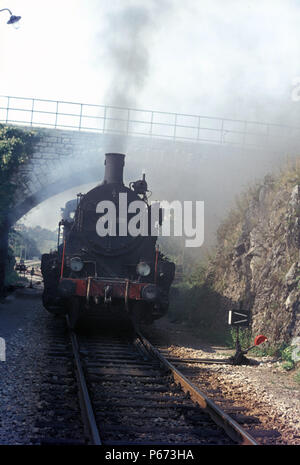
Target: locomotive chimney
column 114, row 164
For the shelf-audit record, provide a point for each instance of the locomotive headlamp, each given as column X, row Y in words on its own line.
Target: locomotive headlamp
column 150, row 293
column 143, row 269
column 76, row 264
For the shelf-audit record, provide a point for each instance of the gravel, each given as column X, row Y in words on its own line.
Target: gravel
column 18, row 388
column 264, row 387
column 29, row 376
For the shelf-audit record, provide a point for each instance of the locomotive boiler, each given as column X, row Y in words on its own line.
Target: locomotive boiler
column 108, row 262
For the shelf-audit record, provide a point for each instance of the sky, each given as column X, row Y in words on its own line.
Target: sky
column 227, row 58
column 215, row 57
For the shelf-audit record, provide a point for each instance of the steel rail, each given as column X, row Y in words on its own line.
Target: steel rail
column 231, row 427
column 84, row 397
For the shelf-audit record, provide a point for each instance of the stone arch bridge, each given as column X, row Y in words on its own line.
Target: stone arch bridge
column 71, row 139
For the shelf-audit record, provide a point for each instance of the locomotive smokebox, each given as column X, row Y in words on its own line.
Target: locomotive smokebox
column 114, row 165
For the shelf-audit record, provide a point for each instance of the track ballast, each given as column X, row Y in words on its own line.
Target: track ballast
column 130, row 394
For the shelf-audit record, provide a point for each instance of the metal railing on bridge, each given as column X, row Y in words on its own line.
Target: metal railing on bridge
column 107, row 119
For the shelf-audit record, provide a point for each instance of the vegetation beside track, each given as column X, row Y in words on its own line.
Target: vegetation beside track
column 255, row 264
column 15, row 152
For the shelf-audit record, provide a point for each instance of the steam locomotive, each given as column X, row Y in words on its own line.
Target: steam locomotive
column 107, row 260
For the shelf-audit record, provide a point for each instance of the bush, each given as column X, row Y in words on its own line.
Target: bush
column 297, row 376
column 286, row 355
column 198, row 307
column 245, row 336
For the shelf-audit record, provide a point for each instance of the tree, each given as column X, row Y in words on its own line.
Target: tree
column 15, row 151
column 21, row 241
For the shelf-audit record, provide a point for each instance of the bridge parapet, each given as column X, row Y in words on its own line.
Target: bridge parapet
column 107, row 119
column 67, row 152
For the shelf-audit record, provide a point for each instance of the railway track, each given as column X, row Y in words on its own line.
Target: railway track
column 131, row 394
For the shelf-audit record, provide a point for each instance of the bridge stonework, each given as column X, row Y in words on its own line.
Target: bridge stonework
column 63, row 159
column 56, row 143
column 190, row 154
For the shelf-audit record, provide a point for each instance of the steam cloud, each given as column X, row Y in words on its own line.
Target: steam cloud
column 233, row 59
column 127, row 39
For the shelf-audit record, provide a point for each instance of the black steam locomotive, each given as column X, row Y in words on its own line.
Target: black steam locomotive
column 113, row 268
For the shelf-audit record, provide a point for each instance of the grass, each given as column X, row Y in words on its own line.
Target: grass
column 266, row 351
column 286, row 355
column 244, row 338
column 297, row 376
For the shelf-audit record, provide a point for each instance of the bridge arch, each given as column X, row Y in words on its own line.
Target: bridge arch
column 46, row 192
column 63, row 159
